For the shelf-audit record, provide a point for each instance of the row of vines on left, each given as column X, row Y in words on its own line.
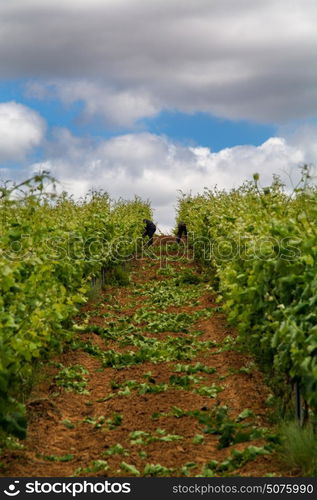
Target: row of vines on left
column 51, row 248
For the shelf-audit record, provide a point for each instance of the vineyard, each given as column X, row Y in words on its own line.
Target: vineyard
column 51, row 250
column 118, row 359
column 261, row 245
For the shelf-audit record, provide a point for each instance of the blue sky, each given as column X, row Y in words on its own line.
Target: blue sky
column 192, row 129
column 147, row 98
column 209, row 131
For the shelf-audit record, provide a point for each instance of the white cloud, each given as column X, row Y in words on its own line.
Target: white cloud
column 119, row 108
column 303, row 137
column 156, row 168
column 21, row 129
column 126, row 59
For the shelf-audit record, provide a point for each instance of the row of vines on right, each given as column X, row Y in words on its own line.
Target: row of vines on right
column 260, row 244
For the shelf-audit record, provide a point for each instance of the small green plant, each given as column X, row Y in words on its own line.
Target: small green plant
column 218, row 422
column 96, row 466
column 234, row 461
column 158, row 322
column 10, row 442
column 55, row 458
column 72, row 378
column 116, row 449
column 187, row 468
column 96, row 422
column 298, row 448
column 142, row 387
column 118, row 275
column 156, row 470
column 131, row 469
column 198, row 367
column 114, row 421
column 105, row 398
column 189, row 277
column 184, row 381
column 167, row 271
column 68, row 423
column 144, row 437
column 228, row 344
column 169, row 349
column 248, row 368
column 198, row 439
column 209, row 390
column 232, row 431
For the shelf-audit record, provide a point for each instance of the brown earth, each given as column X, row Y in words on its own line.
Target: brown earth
column 49, row 405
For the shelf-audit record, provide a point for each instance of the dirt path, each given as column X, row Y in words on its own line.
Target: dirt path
column 152, row 385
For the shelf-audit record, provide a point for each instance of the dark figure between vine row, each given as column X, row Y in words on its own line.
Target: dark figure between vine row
column 181, row 229
column 149, row 230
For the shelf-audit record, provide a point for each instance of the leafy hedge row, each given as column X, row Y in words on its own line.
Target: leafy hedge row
column 262, row 245
column 50, row 249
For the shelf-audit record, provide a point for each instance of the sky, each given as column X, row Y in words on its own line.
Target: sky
column 154, row 97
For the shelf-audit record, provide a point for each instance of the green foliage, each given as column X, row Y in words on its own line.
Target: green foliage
column 217, row 421
column 72, row 379
column 198, row 439
column 51, row 247
column 142, row 454
column 169, row 293
column 186, row 469
column 12, row 416
column 114, row 421
column 237, row 459
column 232, row 431
column 143, row 388
column 68, row 423
column 209, row 390
column 116, row 449
column 119, row 276
column 55, row 458
column 96, row 422
column 299, row 448
column 131, row 469
column 188, row 277
column 156, row 470
column 144, row 437
column 197, row 367
column 261, row 247
column 171, row 349
column 96, row 466
column 184, row 381
column 157, row 322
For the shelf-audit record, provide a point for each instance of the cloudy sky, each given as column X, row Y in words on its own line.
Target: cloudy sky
column 151, row 96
